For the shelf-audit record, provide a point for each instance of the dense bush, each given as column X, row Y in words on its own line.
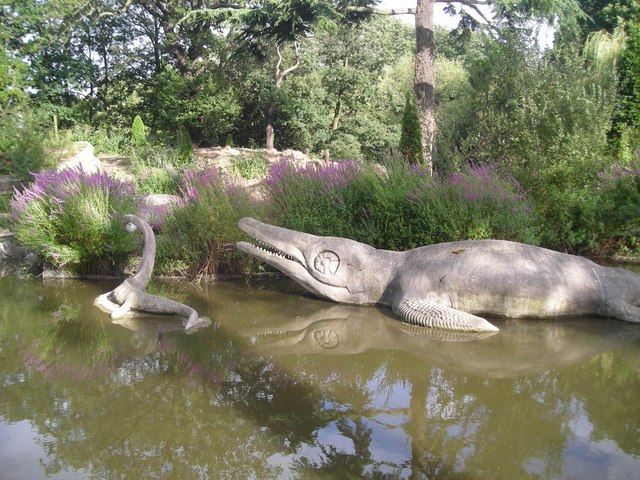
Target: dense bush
column 138, row 132
column 619, row 210
column 311, row 198
column 73, row 219
column 25, row 143
column 197, row 236
column 545, row 119
column 112, row 140
column 403, row 208
column 250, row 166
column 411, row 137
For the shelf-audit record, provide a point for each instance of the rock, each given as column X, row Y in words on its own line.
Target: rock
column 85, row 158
column 7, row 183
column 155, row 206
column 8, row 250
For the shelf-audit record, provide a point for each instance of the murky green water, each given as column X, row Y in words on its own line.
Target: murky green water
column 285, row 386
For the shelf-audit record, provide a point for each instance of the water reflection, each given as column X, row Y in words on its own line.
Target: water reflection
column 522, row 347
column 291, row 387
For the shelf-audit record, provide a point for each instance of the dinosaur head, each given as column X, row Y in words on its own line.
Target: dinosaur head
column 335, row 268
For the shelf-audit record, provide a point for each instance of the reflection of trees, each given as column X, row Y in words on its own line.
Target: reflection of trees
column 197, row 403
column 205, row 403
column 616, row 414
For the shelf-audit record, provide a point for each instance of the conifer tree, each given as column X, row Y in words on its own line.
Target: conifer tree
column 410, row 138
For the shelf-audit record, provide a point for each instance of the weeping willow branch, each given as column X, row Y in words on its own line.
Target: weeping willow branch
column 603, row 50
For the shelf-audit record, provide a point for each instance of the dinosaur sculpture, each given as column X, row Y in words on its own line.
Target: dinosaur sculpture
column 448, row 284
column 130, row 297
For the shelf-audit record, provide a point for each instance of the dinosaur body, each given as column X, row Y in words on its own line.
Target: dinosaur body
column 450, row 285
column 130, row 296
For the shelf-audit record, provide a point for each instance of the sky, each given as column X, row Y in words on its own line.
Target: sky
column 545, row 33
column 441, row 18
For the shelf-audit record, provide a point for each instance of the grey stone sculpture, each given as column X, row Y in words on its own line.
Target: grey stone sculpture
column 130, row 297
column 448, row 284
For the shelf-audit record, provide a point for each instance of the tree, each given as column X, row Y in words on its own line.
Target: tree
column 410, row 139
column 425, row 78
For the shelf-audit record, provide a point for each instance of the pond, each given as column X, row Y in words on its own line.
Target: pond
column 283, row 385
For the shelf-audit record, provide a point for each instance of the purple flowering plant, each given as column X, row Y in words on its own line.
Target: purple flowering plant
column 326, row 179
column 313, row 197
column 478, row 202
column 199, row 231
column 71, row 217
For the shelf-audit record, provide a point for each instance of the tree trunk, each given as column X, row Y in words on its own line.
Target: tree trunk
column 425, row 77
column 271, row 110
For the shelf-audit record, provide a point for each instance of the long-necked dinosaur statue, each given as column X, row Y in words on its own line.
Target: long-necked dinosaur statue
column 448, row 284
column 130, row 297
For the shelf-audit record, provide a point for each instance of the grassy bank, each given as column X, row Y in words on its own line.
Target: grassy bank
column 71, row 218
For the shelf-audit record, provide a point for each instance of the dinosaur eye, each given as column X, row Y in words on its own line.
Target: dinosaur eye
column 327, row 263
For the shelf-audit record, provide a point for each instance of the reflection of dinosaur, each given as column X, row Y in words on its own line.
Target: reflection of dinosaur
column 130, row 296
column 447, row 284
column 521, row 348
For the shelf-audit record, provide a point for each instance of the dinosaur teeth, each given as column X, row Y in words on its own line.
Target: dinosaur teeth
column 263, row 247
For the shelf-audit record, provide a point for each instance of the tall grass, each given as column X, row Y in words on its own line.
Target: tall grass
column 73, row 219
column 403, row 208
column 198, row 236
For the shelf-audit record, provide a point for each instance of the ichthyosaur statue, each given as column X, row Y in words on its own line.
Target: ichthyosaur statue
column 130, row 297
column 449, row 285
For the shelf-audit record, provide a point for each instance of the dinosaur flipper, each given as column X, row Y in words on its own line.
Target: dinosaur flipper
column 427, row 313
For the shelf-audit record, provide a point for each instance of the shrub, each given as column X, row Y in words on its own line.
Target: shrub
column 112, row 140
column 184, row 146
column 24, row 143
column 311, row 198
column 197, row 236
column 619, row 210
column 72, row 219
column 138, row 133
column 157, row 169
column 403, row 209
column 411, row 137
column 478, row 203
column 4, row 204
column 251, row 166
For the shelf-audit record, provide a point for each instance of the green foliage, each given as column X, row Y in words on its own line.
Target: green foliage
column 250, row 166
column 185, row 146
column 411, row 138
column 204, row 105
column 479, row 203
column 619, row 209
column 111, row 141
column 403, row 209
column 630, row 89
column 4, row 204
column 546, row 121
column 25, row 143
column 138, row 133
column 73, row 220
column 157, row 169
column 196, row 237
